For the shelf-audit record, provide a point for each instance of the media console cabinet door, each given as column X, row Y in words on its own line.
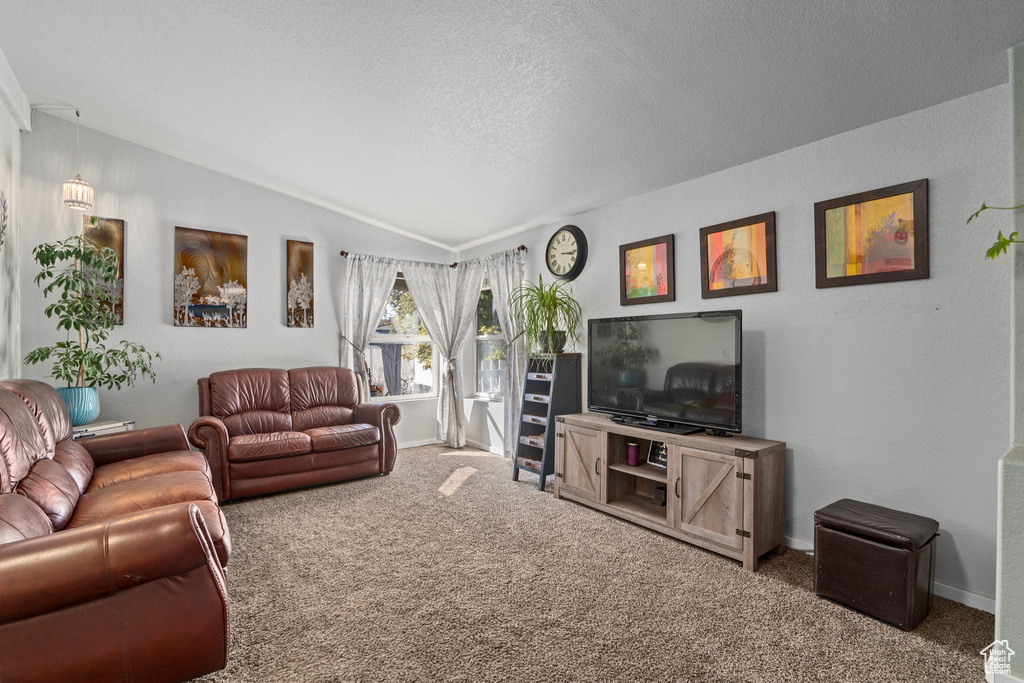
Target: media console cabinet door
column 578, row 452
column 708, row 496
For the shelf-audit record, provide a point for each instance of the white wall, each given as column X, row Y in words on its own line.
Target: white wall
column 154, row 193
column 895, row 394
column 10, row 184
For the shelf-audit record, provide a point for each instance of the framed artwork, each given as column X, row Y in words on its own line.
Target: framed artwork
column 109, row 232
column 876, row 236
column 647, row 271
column 658, row 455
column 738, row 257
column 210, row 279
column 300, row 284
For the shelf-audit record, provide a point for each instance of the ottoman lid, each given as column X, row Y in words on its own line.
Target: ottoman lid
column 891, row 527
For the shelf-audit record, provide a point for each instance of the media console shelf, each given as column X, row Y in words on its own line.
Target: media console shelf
column 725, row 494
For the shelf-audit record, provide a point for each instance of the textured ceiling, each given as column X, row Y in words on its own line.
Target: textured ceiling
column 456, row 121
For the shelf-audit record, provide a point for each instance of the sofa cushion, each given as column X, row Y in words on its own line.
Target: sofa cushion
column 342, row 436
column 77, row 461
column 251, row 401
column 47, row 406
column 309, row 463
column 21, row 444
column 116, row 500
column 148, row 466
column 20, row 518
column 52, row 488
column 322, row 396
column 263, row 446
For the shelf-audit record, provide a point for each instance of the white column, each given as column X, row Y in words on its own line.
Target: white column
column 1010, row 532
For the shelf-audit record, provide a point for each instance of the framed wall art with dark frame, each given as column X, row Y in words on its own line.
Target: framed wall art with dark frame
column 738, row 257
column 876, row 236
column 647, row 271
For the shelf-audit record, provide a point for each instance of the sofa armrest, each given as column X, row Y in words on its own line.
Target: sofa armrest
column 78, row 566
column 109, row 448
column 383, row 416
column 139, row 598
column 210, row 435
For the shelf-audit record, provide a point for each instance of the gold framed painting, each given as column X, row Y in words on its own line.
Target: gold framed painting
column 876, row 236
column 300, row 283
column 210, row 283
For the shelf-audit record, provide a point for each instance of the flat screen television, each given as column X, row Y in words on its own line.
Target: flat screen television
column 678, row 372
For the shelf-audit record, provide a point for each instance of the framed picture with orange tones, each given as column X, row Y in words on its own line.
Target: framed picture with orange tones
column 738, row 257
column 647, row 271
column 876, row 236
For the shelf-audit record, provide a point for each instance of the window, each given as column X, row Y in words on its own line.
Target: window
column 490, row 348
column 401, row 356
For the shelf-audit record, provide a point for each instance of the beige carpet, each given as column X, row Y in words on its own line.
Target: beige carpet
column 389, row 579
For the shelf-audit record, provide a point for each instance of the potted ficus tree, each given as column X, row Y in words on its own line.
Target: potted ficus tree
column 548, row 314
column 85, row 278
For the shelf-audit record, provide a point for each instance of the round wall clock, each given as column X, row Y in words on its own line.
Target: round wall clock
column 567, row 252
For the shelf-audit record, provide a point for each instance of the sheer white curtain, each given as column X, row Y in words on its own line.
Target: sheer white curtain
column 450, row 320
column 368, row 282
column 505, row 272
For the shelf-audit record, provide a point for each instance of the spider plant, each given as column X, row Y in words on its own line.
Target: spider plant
column 545, row 313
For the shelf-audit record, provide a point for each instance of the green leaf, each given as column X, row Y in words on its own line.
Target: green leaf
column 1002, row 244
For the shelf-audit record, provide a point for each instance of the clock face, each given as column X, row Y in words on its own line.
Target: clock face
column 567, row 252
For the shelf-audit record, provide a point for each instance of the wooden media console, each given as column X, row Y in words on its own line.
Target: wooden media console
column 725, row 494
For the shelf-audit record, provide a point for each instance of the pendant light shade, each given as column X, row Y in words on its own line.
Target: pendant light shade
column 78, row 193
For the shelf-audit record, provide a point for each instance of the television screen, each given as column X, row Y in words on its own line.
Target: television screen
column 669, row 371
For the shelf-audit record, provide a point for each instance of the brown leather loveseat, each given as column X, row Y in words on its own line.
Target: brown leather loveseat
column 266, row 430
column 111, row 550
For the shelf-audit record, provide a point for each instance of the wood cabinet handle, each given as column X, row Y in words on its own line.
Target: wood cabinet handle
column 677, row 486
column 597, row 467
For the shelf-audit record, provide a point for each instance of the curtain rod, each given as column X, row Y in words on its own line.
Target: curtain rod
column 521, row 247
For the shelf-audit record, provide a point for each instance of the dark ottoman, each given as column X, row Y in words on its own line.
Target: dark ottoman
column 878, row 561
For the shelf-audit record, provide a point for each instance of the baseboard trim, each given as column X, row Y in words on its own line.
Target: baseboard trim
column 943, row 590
column 486, row 447
column 797, row 544
column 965, row 597
column 431, row 442
column 416, row 444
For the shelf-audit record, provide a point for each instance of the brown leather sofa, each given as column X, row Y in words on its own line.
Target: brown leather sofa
column 111, row 550
column 266, row 430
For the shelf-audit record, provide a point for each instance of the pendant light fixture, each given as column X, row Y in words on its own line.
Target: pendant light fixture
column 78, row 193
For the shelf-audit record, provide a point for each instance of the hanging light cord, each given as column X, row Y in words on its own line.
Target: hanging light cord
column 78, row 143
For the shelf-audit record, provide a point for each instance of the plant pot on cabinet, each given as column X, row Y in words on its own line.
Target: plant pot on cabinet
column 83, row 404
column 556, row 344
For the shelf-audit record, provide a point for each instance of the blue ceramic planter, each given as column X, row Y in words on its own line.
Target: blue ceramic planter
column 83, row 404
